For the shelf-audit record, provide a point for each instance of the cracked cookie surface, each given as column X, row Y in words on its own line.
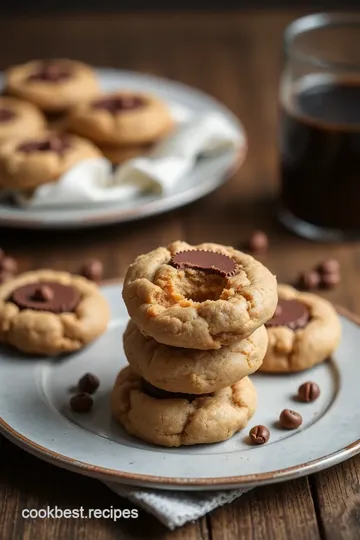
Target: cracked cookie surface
column 192, row 371
column 292, row 350
column 176, row 422
column 46, row 333
column 194, row 309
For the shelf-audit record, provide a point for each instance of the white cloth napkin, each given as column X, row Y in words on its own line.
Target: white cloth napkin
column 94, row 181
column 175, row 508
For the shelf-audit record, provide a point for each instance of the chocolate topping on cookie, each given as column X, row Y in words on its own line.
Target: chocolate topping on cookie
column 290, row 313
column 46, row 296
column 6, row 114
column 158, row 393
column 54, row 143
column 207, row 261
column 116, row 104
column 50, row 72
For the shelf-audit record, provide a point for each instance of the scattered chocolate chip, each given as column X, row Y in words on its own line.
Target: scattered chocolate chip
column 308, row 391
column 81, row 402
column 290, row 419
column 92, row 270
column 5, row 276
column 259, row 434
column 88, row 383
column 328, row 281
column 43, row 293
column 211, row 262
column 259, row 242
column 330, row 266
column 309, row 280
column 8, row 264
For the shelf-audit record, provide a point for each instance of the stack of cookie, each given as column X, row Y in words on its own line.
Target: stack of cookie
column 196, row 334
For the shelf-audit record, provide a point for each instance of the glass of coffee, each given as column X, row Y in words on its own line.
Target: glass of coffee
column 320, row 127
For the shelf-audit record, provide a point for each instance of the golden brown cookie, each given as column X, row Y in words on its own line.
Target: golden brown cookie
column 192, row 371
column 304, row 331
column 52, row 85
column 48, row 312
column 223, row 299
column 18, row 117
column 121, row 119
column 28, row 162
column 181, row 421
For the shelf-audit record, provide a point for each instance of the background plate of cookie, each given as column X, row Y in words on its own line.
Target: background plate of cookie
column 35, row 414
column 207, row 174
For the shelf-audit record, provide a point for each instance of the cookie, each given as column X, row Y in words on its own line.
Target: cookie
column 53, row 85
column 28, row 162
column 18, row 117
column 176, row 421
column 48, row 312
column 192, row 371
column 304, row 331
column 121, row 119
column 199, row 297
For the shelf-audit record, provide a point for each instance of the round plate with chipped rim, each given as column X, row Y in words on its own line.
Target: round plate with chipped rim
column 35, row 415
column 208, row 174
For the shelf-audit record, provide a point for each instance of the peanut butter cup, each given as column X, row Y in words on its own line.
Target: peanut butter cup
column 115, row 104
column 46, row 296
column 50, row 72
column 290, row 313
column 207, row 261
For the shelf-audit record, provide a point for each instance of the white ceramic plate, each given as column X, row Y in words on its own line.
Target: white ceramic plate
column 35, row 414
column 208, row 174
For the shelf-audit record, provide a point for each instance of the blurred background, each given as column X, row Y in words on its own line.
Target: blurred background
column 36, row 6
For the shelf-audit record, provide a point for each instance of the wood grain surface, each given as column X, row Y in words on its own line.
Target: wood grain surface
column 235, row 57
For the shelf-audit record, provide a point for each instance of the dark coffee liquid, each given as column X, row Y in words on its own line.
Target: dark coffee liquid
column 320, row 154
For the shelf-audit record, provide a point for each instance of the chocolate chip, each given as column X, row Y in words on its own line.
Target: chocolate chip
column 88, row 383
column 330, row 266
column 259, row 242
column 308, row 391
column 8, row 264
column 309, row 280
column 81, row 402
column 259, row 434
column 329, row 281
column 5, row 276
column 290, row 419
column 43, row 293
column 92, row 270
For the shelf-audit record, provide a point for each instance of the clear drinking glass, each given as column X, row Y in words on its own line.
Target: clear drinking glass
column 320, row 127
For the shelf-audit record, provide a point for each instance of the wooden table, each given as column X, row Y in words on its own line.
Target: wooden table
column 236, row 58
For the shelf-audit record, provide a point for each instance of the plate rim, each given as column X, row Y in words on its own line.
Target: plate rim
column 110, row 215
column 212, row 483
